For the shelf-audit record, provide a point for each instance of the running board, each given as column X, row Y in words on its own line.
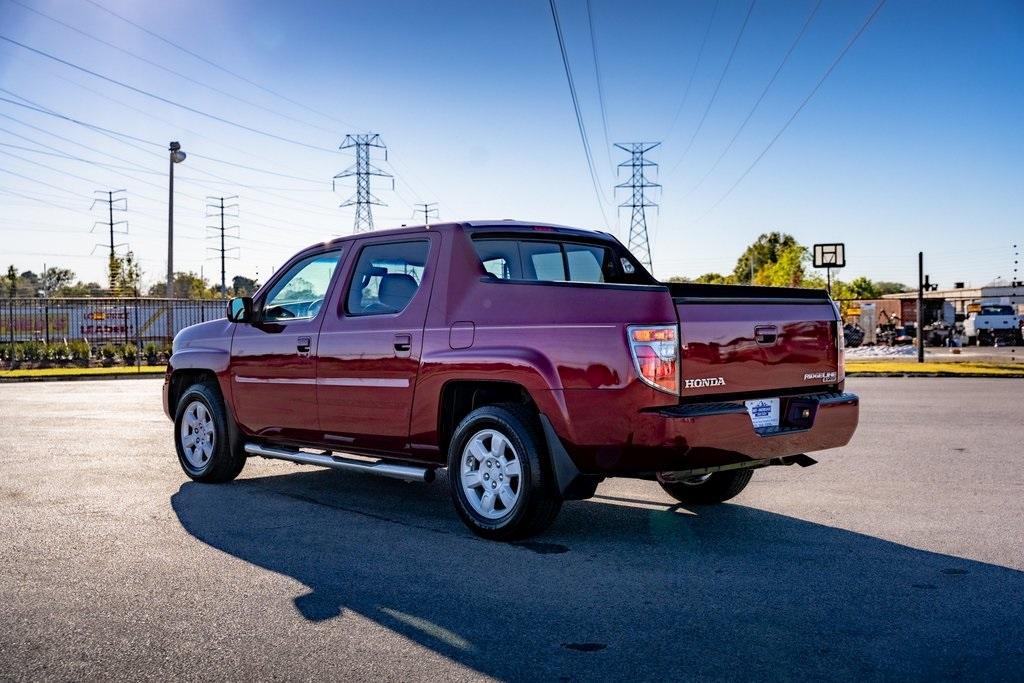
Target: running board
column 384, row 469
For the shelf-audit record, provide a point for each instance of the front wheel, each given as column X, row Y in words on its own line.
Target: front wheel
column 707, row 489
column 205, row 451
column 501, row 483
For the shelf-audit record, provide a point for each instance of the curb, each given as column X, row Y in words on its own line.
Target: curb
column 82, row 378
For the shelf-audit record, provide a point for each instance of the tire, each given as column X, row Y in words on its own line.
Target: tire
column 481, row 464
column 716, row 488
column 201, row 412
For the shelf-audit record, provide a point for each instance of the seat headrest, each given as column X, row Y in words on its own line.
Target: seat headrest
column 396, row 290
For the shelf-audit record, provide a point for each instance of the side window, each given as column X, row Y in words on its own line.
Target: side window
column 500, row 258
column 548, row 260
column 588, row 263
column 542, row 260
column 300, row 293
column 386, row 277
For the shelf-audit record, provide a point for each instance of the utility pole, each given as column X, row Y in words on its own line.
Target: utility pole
column 638, row 201
column 113, row 203
column 920, row 307
column 216, row 204
column 176, row 156
column 363, row 199
column 428, row 209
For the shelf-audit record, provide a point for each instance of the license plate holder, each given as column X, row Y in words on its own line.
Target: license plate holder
column 764, row 412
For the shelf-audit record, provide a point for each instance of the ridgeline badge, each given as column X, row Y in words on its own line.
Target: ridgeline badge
column 825, row 377
column 701, row 382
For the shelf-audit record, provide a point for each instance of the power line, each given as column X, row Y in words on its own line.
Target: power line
column 165, row 100
column 761, row 97
column 165, row 68
column 600, row 88
column 693, row 72
column 718, row 85
column 579, row 115
column 817, row 86
column 218, row 66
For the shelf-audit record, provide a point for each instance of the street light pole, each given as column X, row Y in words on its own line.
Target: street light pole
column 176, row 157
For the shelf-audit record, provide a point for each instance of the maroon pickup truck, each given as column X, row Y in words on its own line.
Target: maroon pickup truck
column 531, row 361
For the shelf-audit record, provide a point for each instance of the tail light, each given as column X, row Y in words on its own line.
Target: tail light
column 841, row 346
column 655, row 350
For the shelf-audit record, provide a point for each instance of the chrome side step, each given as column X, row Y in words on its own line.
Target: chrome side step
column 384, row 469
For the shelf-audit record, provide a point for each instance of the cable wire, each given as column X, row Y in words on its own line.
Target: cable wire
column 165, row 100
column 760, row 98
column 693, row 72
column 718, row 85
column 817, row 86
column 579, row 116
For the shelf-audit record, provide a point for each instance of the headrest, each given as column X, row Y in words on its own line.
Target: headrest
column 396, row 290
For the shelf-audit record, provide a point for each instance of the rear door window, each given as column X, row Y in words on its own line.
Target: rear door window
column 553, row 261
column 386, row 277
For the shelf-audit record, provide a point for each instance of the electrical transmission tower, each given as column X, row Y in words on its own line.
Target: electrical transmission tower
column 113, row 203
column 638, row 201
column 215, row 207
column 364, row 199
column 428, row 209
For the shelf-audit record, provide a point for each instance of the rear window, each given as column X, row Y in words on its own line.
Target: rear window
column 558, row 261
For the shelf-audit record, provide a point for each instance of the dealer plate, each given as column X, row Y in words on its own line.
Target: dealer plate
column 764, row 412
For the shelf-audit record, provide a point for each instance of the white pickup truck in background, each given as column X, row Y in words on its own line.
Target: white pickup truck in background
column 993, row 324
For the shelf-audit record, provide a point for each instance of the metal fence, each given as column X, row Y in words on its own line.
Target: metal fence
column 99, row 321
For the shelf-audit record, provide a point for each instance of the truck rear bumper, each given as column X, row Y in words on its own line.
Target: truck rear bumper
column 692, row 436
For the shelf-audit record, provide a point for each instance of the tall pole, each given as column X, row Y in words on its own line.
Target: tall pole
column 176, row 157
column 920, row 307
column 428, row 209
column 169, row 289
column 217, row 205
column 362, row 169
column 110, row 206
column 638, row 200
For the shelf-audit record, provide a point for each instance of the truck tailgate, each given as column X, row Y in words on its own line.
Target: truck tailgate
column 755, row 340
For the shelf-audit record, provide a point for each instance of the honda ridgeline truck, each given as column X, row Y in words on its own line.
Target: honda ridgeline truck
column 531, row 361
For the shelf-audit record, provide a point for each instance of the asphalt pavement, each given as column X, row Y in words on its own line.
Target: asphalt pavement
column 898, row 557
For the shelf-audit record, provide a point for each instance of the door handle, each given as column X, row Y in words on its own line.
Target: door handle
column 766, row 334
column 403, row 343
column 302, row 345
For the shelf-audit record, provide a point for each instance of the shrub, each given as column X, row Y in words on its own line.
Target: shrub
column 129, row 352
column 32, row 351
column 108, row 353
column 150, row 351
column 78, row 351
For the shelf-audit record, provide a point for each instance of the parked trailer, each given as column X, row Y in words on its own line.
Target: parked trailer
column 102, row 320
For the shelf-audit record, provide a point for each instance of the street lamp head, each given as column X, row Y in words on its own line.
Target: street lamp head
column 175, row 146
column 177, row 156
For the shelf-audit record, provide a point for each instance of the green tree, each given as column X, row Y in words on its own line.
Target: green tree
column 186, row 285
column 129, row 276
column 12, row 281
column 787, row 270
column 766, row 250
column 243, row 286
column 55, row 279
column 715, row 279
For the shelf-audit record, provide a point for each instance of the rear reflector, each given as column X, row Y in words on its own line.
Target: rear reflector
column 655, row 350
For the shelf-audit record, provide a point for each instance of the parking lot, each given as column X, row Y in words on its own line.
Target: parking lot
column 899, row 556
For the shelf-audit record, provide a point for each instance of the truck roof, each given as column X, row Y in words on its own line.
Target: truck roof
column 501, row 225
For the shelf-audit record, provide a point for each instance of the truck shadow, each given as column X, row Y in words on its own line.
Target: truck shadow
column 620, row 590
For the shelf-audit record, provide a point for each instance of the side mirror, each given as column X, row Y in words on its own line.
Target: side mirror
column 240, row 309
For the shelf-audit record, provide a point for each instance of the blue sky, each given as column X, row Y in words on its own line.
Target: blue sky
column 913, row 143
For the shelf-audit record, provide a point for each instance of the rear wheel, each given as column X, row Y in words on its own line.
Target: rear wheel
column 201, row 436
column 707, row 489
column 501, row 483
